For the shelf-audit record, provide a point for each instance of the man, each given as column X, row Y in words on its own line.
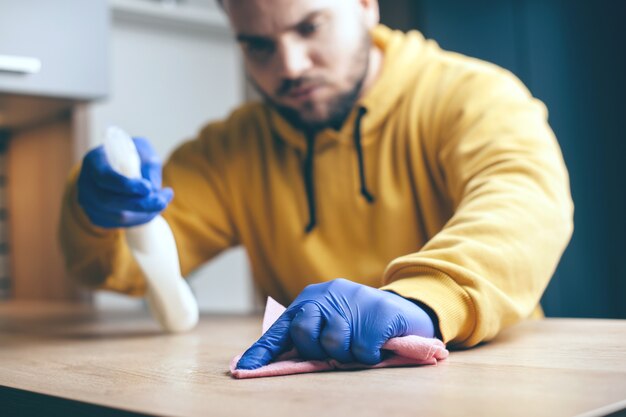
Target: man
column 430, row 181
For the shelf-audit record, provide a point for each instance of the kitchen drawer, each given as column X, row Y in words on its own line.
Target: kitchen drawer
column 67, row 38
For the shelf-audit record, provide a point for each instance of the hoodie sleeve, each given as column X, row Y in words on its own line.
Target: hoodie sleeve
column 505, row 176
column 198, row 216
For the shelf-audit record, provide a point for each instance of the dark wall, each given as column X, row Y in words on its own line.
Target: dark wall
column 572, row 56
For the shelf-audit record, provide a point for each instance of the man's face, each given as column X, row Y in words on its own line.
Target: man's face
column 308, row 58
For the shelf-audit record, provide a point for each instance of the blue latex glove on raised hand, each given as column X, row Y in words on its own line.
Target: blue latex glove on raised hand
column 112, row 200
column 339, row 320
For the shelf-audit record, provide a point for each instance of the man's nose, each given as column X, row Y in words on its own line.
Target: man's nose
column 293, row 59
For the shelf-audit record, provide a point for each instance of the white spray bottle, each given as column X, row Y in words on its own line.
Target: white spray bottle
column 154, row 248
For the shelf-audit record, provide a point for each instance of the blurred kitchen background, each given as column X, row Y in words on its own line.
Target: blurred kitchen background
column 162, row 69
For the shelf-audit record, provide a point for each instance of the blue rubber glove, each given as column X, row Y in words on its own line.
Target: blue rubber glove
column 341, row 320
column 112, row 200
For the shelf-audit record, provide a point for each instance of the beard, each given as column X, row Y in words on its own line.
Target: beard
column 338, row 108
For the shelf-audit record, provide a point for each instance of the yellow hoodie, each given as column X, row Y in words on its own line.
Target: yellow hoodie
column 445, row 185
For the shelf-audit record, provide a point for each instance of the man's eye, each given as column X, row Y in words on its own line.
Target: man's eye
column 308, row 28
column 260, row 50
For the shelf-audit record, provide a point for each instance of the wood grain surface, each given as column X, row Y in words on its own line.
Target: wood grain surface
column 120, row 361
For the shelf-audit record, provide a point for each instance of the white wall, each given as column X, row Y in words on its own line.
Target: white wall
column 172, row 70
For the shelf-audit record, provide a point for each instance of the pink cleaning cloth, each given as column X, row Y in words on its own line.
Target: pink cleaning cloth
column 403, row 351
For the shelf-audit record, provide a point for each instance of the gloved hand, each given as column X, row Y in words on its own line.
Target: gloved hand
column 341, row 320
column 112, row 200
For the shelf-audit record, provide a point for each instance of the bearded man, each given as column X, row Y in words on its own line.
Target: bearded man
column 383, row 187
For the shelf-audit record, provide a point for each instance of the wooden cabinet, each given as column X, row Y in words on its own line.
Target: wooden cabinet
column 38, row 161
column 53, row 58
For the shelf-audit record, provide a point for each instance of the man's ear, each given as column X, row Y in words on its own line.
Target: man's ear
column 371, row 12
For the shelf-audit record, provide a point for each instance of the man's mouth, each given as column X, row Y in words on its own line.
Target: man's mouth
column 303, row 92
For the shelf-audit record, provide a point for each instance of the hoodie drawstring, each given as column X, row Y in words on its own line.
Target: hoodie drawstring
column 308, row 170
column 308, row 181
column 359, row 153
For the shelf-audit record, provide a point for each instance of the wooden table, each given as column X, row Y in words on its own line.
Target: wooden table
column 68, row 360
